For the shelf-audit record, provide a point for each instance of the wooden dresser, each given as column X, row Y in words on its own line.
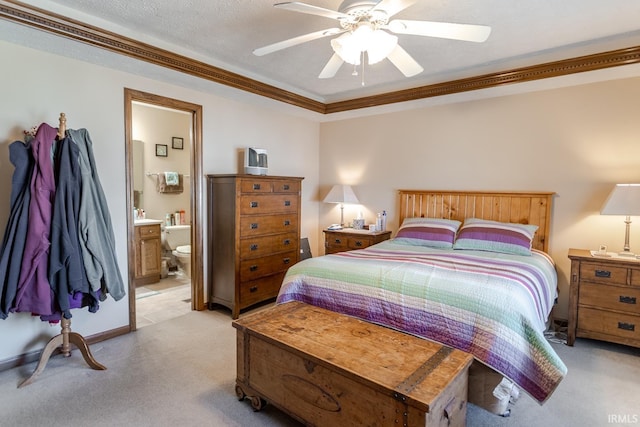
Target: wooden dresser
column 253, row 237
column 604, row 298
column 349, row 239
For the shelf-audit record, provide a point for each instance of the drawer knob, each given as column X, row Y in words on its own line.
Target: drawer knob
column 253, row 268
column 338, row 241
column 254, row 204
column 256, row 186
column 358, row 243
column 627, row 300
column 287, row 222
column 285, row 187
column 286, row 242
column 287, row 202
column 253, row 289
column 254, row 225
column 253, row 247
column 603, row 273
column 626, row 326
column 286, row 260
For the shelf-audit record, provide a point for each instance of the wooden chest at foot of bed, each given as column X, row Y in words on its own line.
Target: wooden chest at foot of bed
column 325, row 368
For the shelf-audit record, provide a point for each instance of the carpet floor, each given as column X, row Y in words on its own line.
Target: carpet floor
column 182, row 372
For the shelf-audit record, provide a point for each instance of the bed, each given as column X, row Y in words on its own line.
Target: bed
column 445, row 278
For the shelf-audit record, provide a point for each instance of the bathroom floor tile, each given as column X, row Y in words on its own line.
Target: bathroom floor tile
column 162, row 301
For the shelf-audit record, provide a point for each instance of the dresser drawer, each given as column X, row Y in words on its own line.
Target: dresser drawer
column 261, row 289
column 337, row 243
column 635, row 277
column 620, row 298
column 260, row 204
column 148, row 231
column 345, row 243
column 358, row 242
column 609, row 323
column 259, row 225
column 602, row 273
column 260, row 246
column 251, row 269
column 258, row 185
column 292, row 187
column 349, row 240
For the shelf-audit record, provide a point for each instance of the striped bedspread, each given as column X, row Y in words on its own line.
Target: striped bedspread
column 491, row 305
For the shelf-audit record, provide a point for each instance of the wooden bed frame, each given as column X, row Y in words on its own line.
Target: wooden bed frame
column 517, row 207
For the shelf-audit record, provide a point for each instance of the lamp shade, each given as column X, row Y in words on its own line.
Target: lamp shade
column 624, row 199
column 341, row 194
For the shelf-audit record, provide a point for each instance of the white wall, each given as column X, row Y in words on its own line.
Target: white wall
column 577, row 141
column 37, row 86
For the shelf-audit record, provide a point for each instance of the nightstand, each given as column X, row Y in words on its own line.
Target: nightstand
column 604, row 298
column 349, row 239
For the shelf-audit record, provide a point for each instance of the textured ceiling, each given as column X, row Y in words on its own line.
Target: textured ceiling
column 225, row 32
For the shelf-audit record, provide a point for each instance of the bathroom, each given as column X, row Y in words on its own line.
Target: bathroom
column 161, row 154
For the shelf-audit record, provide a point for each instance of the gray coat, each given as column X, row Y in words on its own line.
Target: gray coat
column 97, row 241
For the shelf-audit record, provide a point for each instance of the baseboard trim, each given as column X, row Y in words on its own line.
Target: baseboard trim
column 33, row 356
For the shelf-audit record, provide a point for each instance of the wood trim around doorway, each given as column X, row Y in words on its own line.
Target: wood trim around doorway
column 197, row 269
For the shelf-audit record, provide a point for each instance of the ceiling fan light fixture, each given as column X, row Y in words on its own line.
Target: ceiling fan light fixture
column 380, row 46
column 377, row 43
column 346, row 49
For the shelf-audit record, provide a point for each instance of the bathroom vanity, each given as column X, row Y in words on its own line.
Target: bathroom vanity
column 148, row 261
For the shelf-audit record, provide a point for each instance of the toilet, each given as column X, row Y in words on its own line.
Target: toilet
column 177, row 238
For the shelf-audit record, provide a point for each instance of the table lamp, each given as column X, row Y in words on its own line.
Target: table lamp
column 624, row 199
column 341, row 194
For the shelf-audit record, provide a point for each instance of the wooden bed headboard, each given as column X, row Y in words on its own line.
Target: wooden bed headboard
column 518, row 207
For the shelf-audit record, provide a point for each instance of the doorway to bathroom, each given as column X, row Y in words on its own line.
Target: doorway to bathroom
column 163, row 138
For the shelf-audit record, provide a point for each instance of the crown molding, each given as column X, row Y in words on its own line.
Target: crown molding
column 63, row 26
column 564, row 67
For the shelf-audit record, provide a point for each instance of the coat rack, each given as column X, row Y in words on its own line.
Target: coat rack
column 63, row 340
column 66, row 337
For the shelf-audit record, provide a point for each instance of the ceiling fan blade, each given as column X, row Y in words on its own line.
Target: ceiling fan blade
column 466, row 32
column 332, row 67
column 296, row 6
column 296, row 41
column 391, row 7
column 404, row 62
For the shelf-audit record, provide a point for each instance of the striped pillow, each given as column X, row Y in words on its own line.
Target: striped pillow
column 494, row 236
column 430, row 232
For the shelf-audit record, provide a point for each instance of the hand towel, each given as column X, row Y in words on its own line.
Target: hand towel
column 162, row 187
column 171, row 178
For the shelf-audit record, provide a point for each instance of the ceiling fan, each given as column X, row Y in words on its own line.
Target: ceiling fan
column 362, row 28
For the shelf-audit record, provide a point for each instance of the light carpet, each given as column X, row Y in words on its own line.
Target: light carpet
column 182, row 372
